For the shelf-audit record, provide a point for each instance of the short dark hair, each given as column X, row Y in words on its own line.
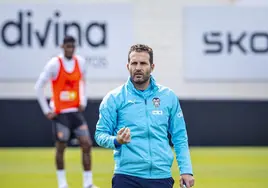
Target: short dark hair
column 141, row 48
column 68, row 39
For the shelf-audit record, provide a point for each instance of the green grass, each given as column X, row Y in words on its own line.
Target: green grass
column 213, row 167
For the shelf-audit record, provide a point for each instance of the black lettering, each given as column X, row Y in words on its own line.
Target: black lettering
column 253, row 45
column 57, row 37
column 23, row 31
column 213, row 39
column 43, row 39
column 102, row 29
column 235, row 42
column 29, row 30
column 67, row 26
column 18, row 25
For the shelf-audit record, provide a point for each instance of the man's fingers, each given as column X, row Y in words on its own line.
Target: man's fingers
column 124, row 135
column 187, row 184
column 51, row 115
column 181, row 183
column 127, row 138
column 192, row 183
column 126, row 131
column 121, row 131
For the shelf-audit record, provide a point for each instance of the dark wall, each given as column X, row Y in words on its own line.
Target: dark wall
column 209, row 123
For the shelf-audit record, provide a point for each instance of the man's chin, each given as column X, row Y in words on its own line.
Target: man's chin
column 139, row 81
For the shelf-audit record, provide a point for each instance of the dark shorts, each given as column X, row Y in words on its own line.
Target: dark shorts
column 126, row 181
column 68, row 125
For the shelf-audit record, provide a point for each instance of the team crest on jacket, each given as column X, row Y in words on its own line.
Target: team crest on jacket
column 156, row 102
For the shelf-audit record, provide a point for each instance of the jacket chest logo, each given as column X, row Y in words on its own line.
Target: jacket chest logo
column 156, row 103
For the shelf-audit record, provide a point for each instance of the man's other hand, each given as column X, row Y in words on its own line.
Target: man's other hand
column 187, row 180
column 51, row 115
column 81, row 108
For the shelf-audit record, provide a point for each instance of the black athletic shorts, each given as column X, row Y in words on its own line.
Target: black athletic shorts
column 126, row 181
column 65, row 126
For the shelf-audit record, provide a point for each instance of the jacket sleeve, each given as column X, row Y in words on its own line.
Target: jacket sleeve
column 107, row 122
column 179, row 138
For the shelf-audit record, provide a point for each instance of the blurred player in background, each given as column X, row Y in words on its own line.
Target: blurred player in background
column 67, row 73
column 135, row 120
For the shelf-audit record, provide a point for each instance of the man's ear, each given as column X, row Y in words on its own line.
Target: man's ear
column 152, row 67
column 127, row 66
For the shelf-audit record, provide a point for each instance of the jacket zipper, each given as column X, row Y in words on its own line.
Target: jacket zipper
column 146, row 111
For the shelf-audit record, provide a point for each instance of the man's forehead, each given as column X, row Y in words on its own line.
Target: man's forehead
column 139, row 56
column 69, row 44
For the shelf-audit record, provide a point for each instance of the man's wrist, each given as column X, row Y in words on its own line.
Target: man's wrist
column 187, row 174
column 47, row 111
column 116, row 143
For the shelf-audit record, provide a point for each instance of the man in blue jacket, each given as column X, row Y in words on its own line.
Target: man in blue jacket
column 134, row 121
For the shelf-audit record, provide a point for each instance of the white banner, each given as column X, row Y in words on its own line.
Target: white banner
column 32, row 33
column 225, row 43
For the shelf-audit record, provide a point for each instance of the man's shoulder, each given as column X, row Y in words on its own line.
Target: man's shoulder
column 53, row 62
column 165, row 90
column 82, row 63
column 80, row 58
column 167, row 94
column 112, row 96
column 116, row 92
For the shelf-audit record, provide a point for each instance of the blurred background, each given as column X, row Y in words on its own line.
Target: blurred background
column 212, row 53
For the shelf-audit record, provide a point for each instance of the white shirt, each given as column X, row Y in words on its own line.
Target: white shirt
column 50, row 72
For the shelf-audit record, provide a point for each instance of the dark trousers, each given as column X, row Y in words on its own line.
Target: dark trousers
column 126, row 181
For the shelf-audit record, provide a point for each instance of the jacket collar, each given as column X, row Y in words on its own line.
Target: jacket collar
column 153, row 87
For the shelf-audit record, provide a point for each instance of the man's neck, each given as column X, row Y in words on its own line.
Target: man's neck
column 69, row 58
column 143, row 86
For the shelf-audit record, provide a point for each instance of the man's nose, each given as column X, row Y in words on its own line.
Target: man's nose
column 138, row 67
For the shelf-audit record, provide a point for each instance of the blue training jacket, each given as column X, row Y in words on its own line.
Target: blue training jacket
column 149, row 114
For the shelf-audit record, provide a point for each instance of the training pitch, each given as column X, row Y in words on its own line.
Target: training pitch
column 220, row 167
